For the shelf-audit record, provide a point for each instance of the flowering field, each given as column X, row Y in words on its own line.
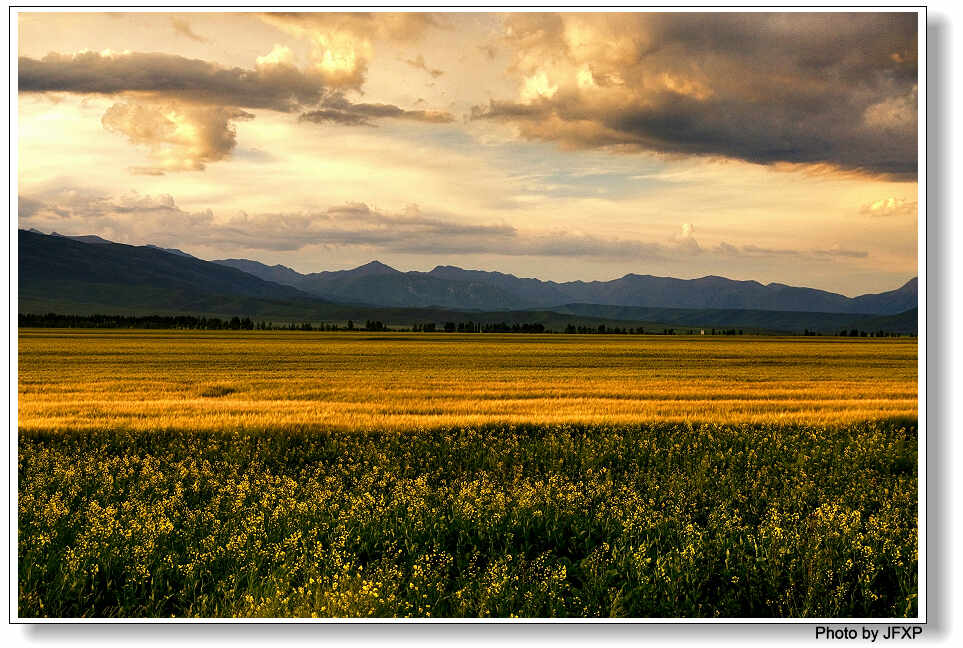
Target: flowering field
column 276, row 474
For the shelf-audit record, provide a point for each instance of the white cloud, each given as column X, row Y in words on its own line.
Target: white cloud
column 888, row 207
column 279, row 55
column 685, row 240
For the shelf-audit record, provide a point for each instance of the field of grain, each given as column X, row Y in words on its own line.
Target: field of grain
column 97, row 380
column 307, row 474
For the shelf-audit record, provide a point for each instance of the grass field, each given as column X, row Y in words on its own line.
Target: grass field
column 309, row 474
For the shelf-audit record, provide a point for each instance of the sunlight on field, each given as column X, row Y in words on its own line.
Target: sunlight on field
column 147, row 380
column 307, row 474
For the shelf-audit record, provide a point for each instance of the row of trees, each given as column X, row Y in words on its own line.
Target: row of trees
column 602, row 328
column 618, row 330
column 473, row 327
column 859, row 333
column 182, row 322
column 55, row 320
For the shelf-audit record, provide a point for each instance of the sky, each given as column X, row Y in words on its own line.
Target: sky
column 778, row 147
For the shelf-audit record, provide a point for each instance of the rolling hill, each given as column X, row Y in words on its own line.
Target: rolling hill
column 58, row 273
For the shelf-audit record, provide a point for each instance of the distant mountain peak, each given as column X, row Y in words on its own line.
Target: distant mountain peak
column 456, row 272
column 375, row 267
column 88, row 238
column 375, row 264
column 718, row 278
column 170, row 250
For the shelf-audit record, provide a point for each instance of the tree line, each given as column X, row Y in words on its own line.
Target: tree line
column 473, row 327
column 190, row 322
column 56, row 320
column 861, row 333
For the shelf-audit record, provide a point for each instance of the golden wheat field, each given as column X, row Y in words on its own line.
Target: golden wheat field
column 85, row 380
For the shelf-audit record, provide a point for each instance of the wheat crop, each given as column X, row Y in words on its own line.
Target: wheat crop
column 262, row 380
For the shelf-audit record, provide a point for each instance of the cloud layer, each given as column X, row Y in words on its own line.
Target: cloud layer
column 183, row 111
column 342, row 44
column 274, row 86
column 830, row 89
column 158, row 219
column 338, row 110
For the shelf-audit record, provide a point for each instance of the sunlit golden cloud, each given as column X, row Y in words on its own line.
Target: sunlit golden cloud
column 343, row 43
column 720, row 85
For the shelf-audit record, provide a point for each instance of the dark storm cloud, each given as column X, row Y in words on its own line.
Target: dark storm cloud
column 275, row 87
column 834, row 89
column 842, row 252
column 336, row 109
column 330, row 116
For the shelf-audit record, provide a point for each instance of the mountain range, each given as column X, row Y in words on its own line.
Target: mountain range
column 89, row 274
column 452, row 287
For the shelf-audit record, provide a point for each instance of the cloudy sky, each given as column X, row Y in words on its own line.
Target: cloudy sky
column 775, row 147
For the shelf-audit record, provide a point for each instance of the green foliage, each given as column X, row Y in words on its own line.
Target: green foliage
column 662, row 520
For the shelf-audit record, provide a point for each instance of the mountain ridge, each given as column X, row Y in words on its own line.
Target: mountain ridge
column 452, row 287
column 65, row 275
column 60, row 265
column 473, row 289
